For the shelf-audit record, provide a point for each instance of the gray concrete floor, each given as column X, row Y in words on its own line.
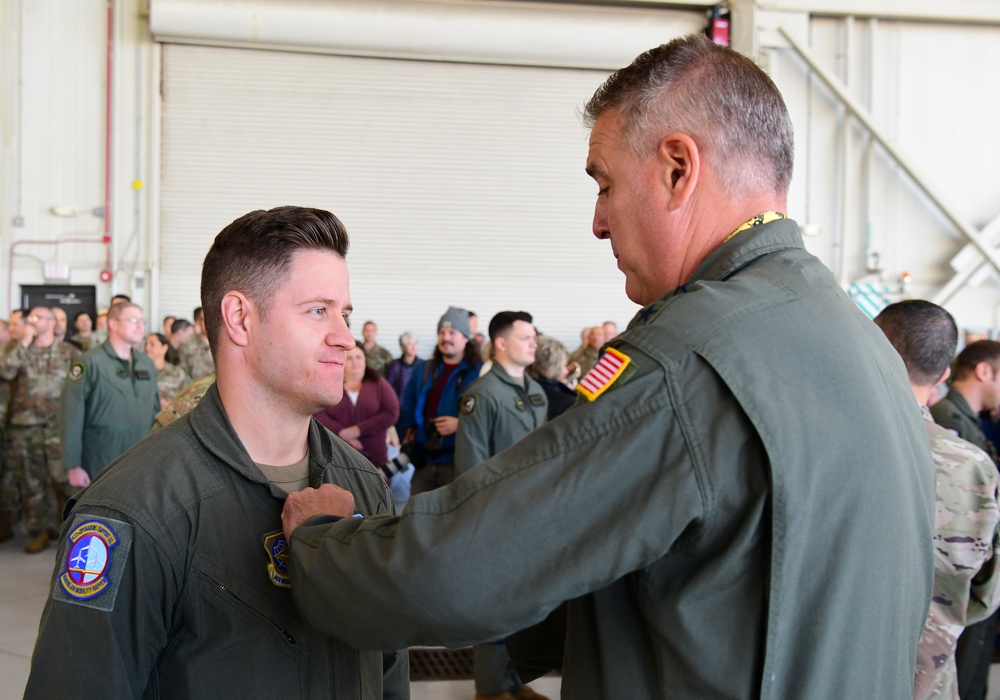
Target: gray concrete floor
column 24, row 587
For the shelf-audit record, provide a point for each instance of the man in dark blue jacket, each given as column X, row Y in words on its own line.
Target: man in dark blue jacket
column 429, row 417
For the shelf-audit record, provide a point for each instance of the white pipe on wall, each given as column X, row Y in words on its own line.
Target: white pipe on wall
column 572, row 36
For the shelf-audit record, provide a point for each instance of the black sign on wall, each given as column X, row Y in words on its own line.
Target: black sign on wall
column 72, row 298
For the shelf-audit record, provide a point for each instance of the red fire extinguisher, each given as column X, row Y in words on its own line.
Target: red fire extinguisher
column 718, row 25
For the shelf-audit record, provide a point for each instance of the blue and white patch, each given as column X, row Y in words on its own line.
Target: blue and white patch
column 276, row 547
column 96, row 553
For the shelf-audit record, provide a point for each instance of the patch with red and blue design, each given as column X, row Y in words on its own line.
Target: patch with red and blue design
column 96, row 552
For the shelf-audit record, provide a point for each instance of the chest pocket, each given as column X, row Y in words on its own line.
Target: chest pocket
column 221, row 600
column 520, row 415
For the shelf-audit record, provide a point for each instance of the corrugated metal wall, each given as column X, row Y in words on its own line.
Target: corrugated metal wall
column 925, row 83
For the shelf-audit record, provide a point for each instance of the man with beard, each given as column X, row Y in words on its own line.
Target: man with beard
column 429, row 416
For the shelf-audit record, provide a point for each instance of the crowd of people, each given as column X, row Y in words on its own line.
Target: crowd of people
column 69, row 407
column 747, row 493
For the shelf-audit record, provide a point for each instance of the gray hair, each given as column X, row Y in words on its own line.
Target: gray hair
column 715, row 95
column 550, row 358
column 405, row 338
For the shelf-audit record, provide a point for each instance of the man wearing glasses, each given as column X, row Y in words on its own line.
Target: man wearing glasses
column 109, row 400
column 36, row 364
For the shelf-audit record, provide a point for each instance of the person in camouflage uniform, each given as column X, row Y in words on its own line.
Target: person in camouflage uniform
column 37, row 364
column 170, row 379
column 189, row 397
column 195, row 356
column 966, row 537
column 377, row 358
column 6, row 529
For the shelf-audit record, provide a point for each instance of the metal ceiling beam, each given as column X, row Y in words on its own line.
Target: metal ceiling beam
column 953, row 11
column 975, row 237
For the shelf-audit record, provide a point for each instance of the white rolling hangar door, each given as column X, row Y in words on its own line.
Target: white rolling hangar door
column 460, row 181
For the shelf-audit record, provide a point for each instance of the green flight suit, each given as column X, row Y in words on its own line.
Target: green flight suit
column 197, row 603
column 106, row 407
column 954, row 413
column 493, row 414
column 748, row 514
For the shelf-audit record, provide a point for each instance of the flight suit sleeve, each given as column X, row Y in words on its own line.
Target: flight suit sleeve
column 579, row 503
column 476, row 419
column 157, row 404
column 396, row 675
column 72, row 412
column 103, row 644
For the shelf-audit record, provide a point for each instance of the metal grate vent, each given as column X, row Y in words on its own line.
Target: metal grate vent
column 440, row 664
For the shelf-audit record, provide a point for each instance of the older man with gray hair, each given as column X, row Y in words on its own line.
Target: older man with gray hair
column 742, row 504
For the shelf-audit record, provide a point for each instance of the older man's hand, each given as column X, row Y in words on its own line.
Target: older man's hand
column 309, row 502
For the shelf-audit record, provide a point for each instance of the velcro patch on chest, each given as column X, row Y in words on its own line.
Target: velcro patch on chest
column 276, row 547
column 468, row 405
column 95, row 559
column 608, row 370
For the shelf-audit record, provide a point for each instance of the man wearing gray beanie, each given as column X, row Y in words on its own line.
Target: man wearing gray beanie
column 429, row 415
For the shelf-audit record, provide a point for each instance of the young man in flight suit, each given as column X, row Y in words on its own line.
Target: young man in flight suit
column 500, row 408
column 172, row 577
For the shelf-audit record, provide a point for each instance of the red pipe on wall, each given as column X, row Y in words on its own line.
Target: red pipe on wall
column 109, row 93
column 108, row 122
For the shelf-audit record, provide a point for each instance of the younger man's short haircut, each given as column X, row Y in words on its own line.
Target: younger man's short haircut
column 253, row 255
column 924, row 335
column 119, row 309
column 987, row 351
column 504, row 321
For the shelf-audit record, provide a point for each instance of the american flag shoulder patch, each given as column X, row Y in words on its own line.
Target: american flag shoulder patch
column 604, row 374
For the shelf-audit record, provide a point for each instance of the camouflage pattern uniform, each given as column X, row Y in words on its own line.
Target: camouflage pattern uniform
column 169, row 381
column 97, row 338
column 586, row 357
column 966, row 561
column 6, row 517
column 184, row 402
column 378, row 358
column 32, row 450
column 195, row 357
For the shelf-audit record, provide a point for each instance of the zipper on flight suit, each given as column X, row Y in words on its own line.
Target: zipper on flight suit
column 289, row 637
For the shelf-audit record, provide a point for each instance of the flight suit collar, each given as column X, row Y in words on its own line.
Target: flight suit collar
column 962, row 405
column 505, row 377
column 213, row 429
column 742, row 249
column 728, row 258
column 109, row 349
